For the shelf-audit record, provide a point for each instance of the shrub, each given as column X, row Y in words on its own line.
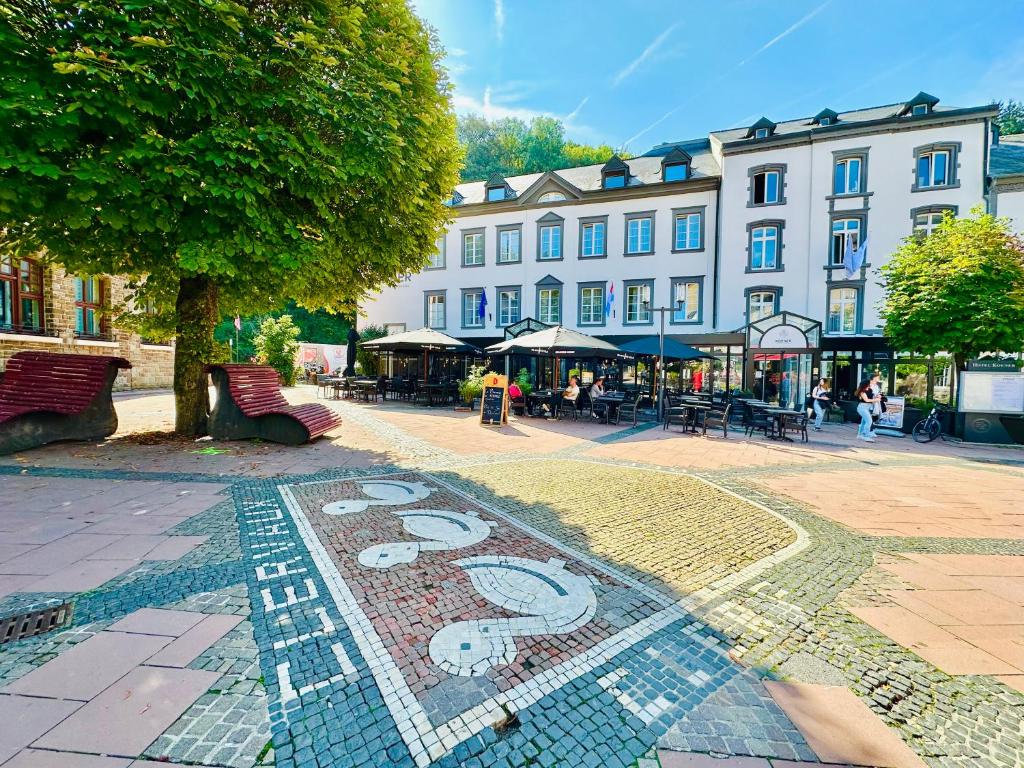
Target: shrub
column 473, row 385
column 277, row 346
column 523, row 380
column 367, row 360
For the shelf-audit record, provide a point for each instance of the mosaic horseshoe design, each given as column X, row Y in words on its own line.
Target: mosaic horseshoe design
column 444, row 530
column 554, row 601
column 384, row 493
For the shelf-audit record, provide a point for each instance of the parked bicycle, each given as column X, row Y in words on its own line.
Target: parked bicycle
column 930, row 427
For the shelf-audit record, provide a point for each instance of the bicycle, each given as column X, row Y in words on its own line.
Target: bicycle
column 929, row 428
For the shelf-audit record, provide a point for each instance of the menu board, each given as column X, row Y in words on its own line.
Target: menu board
column 892, row 416
column 494, row 402
column 990, row 392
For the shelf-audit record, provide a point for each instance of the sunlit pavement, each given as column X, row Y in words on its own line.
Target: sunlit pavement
column 417, row 589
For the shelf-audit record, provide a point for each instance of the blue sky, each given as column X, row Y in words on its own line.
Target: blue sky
column 635, row 73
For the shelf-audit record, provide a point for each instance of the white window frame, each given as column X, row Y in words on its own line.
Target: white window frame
column 435, row 300
column 473, row 319
column 549, row 305
column 778, row 187
column 591, row 228
column 437, row 257
column 686, row 223
column 505, row 239
column 845, row 163
column 761, row 304
column 509, row 299
column 841, row 299
column 760, row 235
column 837, row 255
column 550, row 242
column 931, row 182
column 638, row 304
column 689, row 311
column 932, row 219
column 595, row 305
column 635, row 234
column 477, row 238
column 551, row 197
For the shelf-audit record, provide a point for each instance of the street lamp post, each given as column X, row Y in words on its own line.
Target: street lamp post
column 661, row 350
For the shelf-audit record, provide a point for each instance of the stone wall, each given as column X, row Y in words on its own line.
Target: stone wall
column 152, row 364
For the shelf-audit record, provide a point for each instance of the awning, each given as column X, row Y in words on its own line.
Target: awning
column 674, row 350
column 423, row 340
column 557, row 340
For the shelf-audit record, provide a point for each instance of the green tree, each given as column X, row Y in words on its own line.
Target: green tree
column 277, row 345
column 367, row 359
column 1011, row 117
column 958, row 290
column 511, row 147
column 229, row 157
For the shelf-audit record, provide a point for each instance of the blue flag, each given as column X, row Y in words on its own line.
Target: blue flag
column 854, row 259
column 482, row 308
column 609, row 300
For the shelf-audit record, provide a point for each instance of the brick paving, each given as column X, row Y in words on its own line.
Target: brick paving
column 418, row 590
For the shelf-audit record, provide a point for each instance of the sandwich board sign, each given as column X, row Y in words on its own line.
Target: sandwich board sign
column 494, row 402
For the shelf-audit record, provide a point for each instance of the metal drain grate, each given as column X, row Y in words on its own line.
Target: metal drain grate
column 34, row 623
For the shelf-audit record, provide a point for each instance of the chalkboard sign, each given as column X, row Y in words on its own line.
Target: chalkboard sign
column 494, row 403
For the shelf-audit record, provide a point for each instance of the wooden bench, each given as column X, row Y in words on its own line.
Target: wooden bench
column 46, row 397
column 250, row 404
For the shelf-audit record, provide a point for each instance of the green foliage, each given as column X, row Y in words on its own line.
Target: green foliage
column 318, row 327
column 366, row 359
column 1011, row 117
column 473, row 385
column 958, row 290
column 523, row 380
column 244, row 151
column 224, row 335
column 277, row 346
column 510, row 147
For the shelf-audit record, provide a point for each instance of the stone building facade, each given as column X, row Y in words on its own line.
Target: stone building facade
column 44, row 308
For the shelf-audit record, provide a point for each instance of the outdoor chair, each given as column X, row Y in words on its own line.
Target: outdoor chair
column 718, row 418
column 756, row 420
column 518, row 405
column 584, row 405
column 676, row 416
column 567, row 407
column 628, row 410
column 322, row 383
column 796, row 423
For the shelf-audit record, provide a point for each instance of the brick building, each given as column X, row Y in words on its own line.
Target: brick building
column 44, row 308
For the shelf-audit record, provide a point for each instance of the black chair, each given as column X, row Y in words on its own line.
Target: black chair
column 796, row 422
column 716, row 417
column 322, row 384
column 567, row 407
column 584, row 404
column 517, row 405
column 756, row 420
column 676, row 415
column 628, row 409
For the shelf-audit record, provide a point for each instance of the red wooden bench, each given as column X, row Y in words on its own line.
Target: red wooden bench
column 250, row 404
column 46, row 397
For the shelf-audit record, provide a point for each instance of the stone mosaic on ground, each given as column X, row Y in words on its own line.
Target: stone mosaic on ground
column 471, row 610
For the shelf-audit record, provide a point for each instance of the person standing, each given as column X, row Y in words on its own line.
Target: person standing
column 866, row 400
column 821, row 400
column 879, row 406
column 785, row 390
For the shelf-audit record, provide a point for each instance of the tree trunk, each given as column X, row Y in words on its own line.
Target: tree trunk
column 197, row 315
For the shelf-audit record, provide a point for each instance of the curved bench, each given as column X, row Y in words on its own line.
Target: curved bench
column 46, row 397
column 250, row 404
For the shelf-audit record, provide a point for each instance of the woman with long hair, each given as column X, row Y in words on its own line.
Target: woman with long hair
column 866, row 399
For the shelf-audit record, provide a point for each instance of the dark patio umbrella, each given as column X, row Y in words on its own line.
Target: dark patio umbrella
column 674, row 350
column 558, row 341
column 425, row 339
column 350, row 352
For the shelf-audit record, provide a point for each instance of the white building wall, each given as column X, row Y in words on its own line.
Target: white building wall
column 1009, row 203
column 405, row 303
column 806, row 212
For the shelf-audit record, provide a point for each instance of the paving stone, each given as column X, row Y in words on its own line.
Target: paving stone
column 155, row 621
column 38, row 758
column 25, row 719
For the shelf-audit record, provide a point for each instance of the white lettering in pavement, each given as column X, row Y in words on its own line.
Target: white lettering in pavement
column 328, row 629
column 288, row 693
column 290, row 598
column 277, row 570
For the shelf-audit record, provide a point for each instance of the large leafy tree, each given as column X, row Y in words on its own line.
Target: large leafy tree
column 1011, row 117
column 510, row 147
column 230, row 157
column 959, row 290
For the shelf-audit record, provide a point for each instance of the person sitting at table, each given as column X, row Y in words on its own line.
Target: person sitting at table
column 572, row 391
column 597, row 388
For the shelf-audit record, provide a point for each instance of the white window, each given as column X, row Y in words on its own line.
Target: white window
column 688, row 232
column 508, row 306
column 549, row 305
column 926, row 223
column 508, row 246
column 846, row 179
column 473, row 249
column 760, row 304
column 551, row 242
column 638, row 303
column 765, row 187
column 933, row 168
column 437, row 257
column 638, row 235
column 920, row 109
column 685, row 301
column 435, row 310
column 551, row 197
column 593, row 239
column 764, row 248
column 471, row 310
column 591, row 305
column 845, row 234
column 842, row 310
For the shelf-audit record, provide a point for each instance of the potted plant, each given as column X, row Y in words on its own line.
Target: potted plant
column 471, row 388
column 523, row 380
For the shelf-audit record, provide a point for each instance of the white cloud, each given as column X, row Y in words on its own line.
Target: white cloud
column 495, row 110
column 499, row 19
column 650, row 127
column 573, row 115
column 649, row 51
column 786, row 33
column 457, row 53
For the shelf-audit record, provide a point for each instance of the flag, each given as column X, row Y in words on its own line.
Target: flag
column 609, row 300
column 482, row 308
column 238, row 323
column 853, row 260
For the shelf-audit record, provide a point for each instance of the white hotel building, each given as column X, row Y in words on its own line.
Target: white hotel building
column 741, row 226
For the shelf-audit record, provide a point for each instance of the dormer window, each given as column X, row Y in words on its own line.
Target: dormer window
column 675, row 166
column 825, row 117
column 551, row 197
column 455, row 199
column 495, row 193
column 922, row 104
column 825, row 121
column 497, row 189
column 921, row 109
column 762, row 129
column 614, row 174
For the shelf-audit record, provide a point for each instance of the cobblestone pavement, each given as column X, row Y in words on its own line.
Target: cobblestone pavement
column 419, row 590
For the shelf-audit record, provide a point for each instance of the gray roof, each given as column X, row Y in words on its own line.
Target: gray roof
column 587, row 178
column 804, row 124
column 1007, row 157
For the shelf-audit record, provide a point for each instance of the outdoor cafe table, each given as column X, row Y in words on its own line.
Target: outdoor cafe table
column 691, row 408
column 538, row 397
column 612, row 401
column 436, row 393
column 364, row 387
column 335, row 383
column 778, row 418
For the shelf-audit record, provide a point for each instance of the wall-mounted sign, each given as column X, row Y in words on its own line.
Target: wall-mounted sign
column 992, row 364
column 783, row 337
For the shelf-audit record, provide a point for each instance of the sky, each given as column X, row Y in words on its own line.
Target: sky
column 635, row 73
